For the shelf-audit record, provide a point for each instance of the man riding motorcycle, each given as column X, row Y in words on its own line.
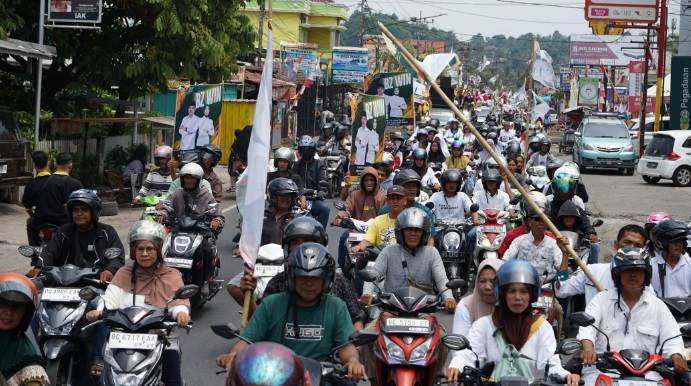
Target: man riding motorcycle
column 312, row 173
column 190, row 157
column 210, row 155
column 283, row 163
column 671, row 265
column 158, row 180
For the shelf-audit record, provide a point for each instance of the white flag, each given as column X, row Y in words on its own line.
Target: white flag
column 544, row 73
column 251, row 190
column 539, row 110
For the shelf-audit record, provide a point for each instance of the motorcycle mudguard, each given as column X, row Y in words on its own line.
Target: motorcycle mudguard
column 53, row 348
column 406, row 376
column 491, row 255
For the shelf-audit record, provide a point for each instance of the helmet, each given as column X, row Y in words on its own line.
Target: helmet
column 327, row 126
column 147, row 230
column 341, row 131
column 248, row 367
column 493, row 136
column 540, row 199
column 306, row 147
column 413, row 218
column 667, row 231
column 189, row 158
column 563, row 183
column 513, row 147
column 433, row 122
column 421, row 132
column 306, row 227
column 534, row 140
column 389, row 147
column 457, row 144
column 554, row 164
column 387, row 158
column 286, row 154
column 452, row 121
column 656, row 218
column 85, row 197
column 408, row 175
column 517, row 271
column 328, row 117
column 17, row 288
column 163, row 152
column 491, row 175
column 431, row 129
column 212, row 152
column 281, row 186
column 630, row 258
column 420, row 154
column 544, row 141
column 193, row 170
column 451, row 175
column 346, row 122
column 310, row 259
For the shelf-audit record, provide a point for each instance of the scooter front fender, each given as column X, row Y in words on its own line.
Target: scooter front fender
column 491, row 255
column 405, row 376
column 54, row 348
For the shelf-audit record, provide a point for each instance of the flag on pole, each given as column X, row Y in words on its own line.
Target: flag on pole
column 539, row 110
column 402, row 59
column 602, row 99
column 251, row 190
column 493, row 79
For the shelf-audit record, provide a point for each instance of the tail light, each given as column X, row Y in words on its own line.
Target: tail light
column 673, row 156
column 47, row 235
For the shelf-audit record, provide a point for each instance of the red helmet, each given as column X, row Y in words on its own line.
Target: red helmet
column 17, row 288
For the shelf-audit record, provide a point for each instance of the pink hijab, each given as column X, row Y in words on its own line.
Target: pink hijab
column 476, row 306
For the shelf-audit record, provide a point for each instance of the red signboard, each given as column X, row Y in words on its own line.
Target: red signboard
column 636, row 67
column 635, row 11
column 635, row 104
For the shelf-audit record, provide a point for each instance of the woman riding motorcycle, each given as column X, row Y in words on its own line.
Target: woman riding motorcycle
column 420, row 167
column 482, row 301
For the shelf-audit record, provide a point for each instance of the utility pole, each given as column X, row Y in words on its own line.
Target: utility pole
column 661, row 53
column 362, row 20
column 644, row 99
column 261, row 32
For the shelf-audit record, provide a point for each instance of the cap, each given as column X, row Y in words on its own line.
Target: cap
column 395, row 190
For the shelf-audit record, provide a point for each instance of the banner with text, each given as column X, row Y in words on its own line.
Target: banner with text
column 197, row 117
column 299, row 63
column 349, row 65
column 608, row 50
column 369, row 124
column 680, row 93
column 397, row 90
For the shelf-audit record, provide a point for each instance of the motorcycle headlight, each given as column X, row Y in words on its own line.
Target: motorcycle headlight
column 197, row 241
column 420, row 352
column 587, row 146
column 395, row 352
column 484, row 242
column 498, row 240
column 627, row 149
column 126, row 379
column 452, row 241
column 687, row 353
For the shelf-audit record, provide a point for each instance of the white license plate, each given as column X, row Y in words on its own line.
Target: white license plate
column 3, row 169
column 401, row 322
column 179, row 263
column 492, row 229
column 652, row 165
column 267, row 270
column 151, row 210
column 61, row 295
column 543, row 302
column 123, row 340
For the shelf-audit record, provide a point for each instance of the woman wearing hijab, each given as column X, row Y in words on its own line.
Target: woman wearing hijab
column 20, row 364
column 435, row 154
column 481, row 302
column 154, row 284
column 484, row 154
column 517, row 341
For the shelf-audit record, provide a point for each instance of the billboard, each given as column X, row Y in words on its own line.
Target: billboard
column 397, row 90
column 565, row 79
column 350, row 64
column 369, row 125
column 75, row 11
column 635, row 11
column 588, row 91
column 635, row 104
column 300, row 62
column 607, row 50
column 680, row 93
column 197, row 117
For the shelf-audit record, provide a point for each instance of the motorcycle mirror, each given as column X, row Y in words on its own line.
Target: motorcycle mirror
column 455, row 342
column 474, row 208
column 686, row 330
column 514, row 201
column 455, row 284
column 569, row 346
column 212, row 207
column 581, row 319
column 236, row 238
column 112, row 253
column 234, row 173
column 528, row 181
column 362, row 337
column 339, row 205
column 366, row 276
column 28, row 251
column 597, row 223
column 225, row 330
column 186, row 291
column 430, row 205
column 88, row 293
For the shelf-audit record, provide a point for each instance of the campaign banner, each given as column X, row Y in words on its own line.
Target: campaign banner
column 588, row 91
column 608, row 50
column 397, row 90
column 75, row 11
column 349, row 65
column 565, row 79
column 197, row 117
column 680, row 93
column 635, row 84
column 299, row 62
column 369, row 125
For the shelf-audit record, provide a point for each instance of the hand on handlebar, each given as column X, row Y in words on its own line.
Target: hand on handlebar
column 573, row 379
column 451, row 374
column 135, row 200
column 450, row 305
column 588, row 356
column 303, row 202
column 224, row 360
column 159, row 219
column 337, row 221
column 356, row 248
column 33, row 273
column 366, row 300
column 593, row 238
column 94, row 315
column 183, row 320
column 106, row 276
column 321, row 194
column 680, row 365
column 214, row 223
column 356, row 371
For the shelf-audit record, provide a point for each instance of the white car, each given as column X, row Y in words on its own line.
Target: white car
column 668, row 156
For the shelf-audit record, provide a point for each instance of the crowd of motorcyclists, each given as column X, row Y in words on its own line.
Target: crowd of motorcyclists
column 435, row 201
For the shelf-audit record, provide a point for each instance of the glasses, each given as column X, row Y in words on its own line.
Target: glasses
column 147, row 250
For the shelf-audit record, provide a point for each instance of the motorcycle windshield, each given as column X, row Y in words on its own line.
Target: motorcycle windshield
column 67, row 275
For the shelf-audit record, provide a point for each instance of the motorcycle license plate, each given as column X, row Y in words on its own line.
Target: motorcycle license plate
column 123, row 340
column 409, row 326
column 267, row 270
column 449, row 255
column 492, row 229
column 151, row 210
column 175, row 262
column 543, row 302
column 60, row 295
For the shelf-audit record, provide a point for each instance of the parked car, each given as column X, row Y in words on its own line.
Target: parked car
column 649, row 125
column 604, row 141
column 13, row 152
column 442, row 114
column 668, row 156
column 553, row 117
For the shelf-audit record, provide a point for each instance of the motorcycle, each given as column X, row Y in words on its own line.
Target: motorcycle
column 137, row 336
column 490, row 234
column 356, row 233
column 545, row 304
column 150, row 204
column 320, row 373
column 61, row 315
column 452, row 243
column 46, row 232
column 537, row 178
column 269, row 264
column 681, row 310
column 632, row 365
column 336, row 164
column 407, row 351
column 183, row 252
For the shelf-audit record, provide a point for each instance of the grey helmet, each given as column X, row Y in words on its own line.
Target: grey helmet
column 193, row 170
column 286, row 154
column 163, row 152
column 147, row 230
column 517, row 271
column 306, row 227
column 491, row 174
column 212, row 152
column 413, row 218
column 310, row 259
column 540, row 199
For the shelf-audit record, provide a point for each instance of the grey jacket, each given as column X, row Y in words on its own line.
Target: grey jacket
column 197, row 204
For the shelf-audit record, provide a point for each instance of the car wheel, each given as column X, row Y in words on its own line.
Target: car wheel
column 651, row 180
column 682, row 176
column 629, row 171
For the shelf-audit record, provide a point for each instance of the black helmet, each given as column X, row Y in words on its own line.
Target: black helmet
column 306, row 147
column 542, row 202
column 667, row 231
column 281, row 186
column 346, row 122
column 413, row 218
column 420, row 153
column 493, row 136
column 286, row 154
column 189, row 157
column 434, row 122
column 88, row 198
column 554, row 164
column 306, row 227
column 517, row 271
column 451, row 175
column 341, row 131
column 212, row 152
column 287, row 369
column 630, row 258
column 310, row 259
column 408, row 175
column 17, row 288
column 544, row 141
column 513, row 147
column 328, row 116
column 491, row 174
column 327, row 126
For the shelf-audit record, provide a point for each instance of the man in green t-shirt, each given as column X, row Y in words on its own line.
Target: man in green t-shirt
column 304, row 319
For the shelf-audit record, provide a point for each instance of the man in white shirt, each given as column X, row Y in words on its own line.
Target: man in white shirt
column 387, row 99
column 366, row 143
column 188, row 128
column 671, row 266
column 397, row 105
column 507, row 133
column 451, row 204
column 631, row 317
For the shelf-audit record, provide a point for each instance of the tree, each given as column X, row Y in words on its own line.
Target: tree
column 140, row 46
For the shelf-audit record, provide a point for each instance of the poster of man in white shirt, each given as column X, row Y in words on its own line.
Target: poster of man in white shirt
column 206, row 128
column 397, row 90
column 366, row 142
column 188, row 128
column 397, row 105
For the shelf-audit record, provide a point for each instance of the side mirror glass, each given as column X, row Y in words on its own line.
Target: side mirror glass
column 88, row 293
column 686, row 330
column 186, row 291
column 339, row 205
column 581, row 319
column 474, row 208
column 569, row 346
column 455, row 284
column 366, row 276
column 225, row 330
column 27, row 251
column 112, row 253
column 363, row 338
column 455, row 342
column 597, row 223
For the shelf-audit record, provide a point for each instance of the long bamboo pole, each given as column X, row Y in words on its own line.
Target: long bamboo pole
column 528, row 116
column 485, row 145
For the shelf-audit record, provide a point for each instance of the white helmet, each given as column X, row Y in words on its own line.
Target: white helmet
column 387, row 158
column 193, row 170
column 571, row 169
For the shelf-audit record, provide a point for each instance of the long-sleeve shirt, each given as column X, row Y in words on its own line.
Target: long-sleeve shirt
column 677, row 280
column 156, row 181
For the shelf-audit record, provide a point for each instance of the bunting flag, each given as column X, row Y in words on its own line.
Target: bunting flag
column 483, row 64
column 251, row 189
column 602, row 99
column 493, row 79
column 305, row 85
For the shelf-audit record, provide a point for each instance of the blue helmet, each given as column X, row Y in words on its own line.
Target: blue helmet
column 457, row 144
column 250, row 365
column 306, row 147
column 517, row 271
column 420, row 154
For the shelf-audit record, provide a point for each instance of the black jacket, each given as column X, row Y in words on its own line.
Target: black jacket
column 48, row 195
column 585, row 227
column 311, row 174
column 568, row 208
column 63, row 247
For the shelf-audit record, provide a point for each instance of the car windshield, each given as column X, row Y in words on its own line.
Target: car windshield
column 483, row 113
column 660, row 146
column 442, row 116
column 603, row 130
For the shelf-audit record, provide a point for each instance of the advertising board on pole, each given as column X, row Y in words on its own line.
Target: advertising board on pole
column 588, row 91
column 369, row 125
column 680, row 93
column 197, row 117
column 565, row 79
column 349, row 65
column 606, row 50
column 300, row 62
column 635, row 11
column 75, row 11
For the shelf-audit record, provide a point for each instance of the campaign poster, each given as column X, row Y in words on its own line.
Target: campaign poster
column 397, row 90
column 299, row 63
column 369, row 124
column 75, row 11
column 197, row 117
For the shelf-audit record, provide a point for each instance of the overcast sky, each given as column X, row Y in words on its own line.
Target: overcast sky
column 494, row 17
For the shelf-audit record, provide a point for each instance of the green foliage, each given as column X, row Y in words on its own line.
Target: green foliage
column 118, row 157
column 86, row 169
